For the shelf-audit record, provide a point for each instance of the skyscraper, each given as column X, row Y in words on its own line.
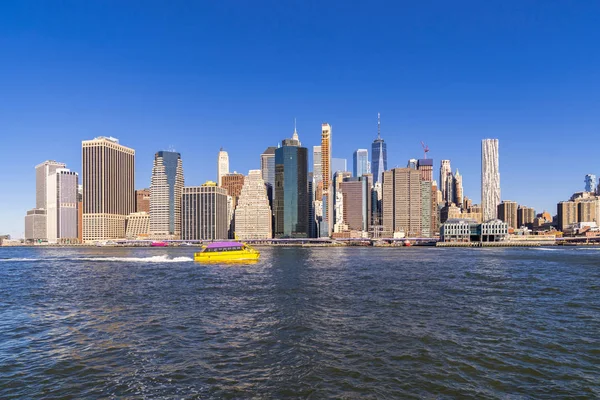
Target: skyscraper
column 458, row 189
column 291, row 189
column 445, row 170
column 233, row 183
column 222, row 165
column 360, row 160
column 378, row 154
column 253, row 214
column 35, row 225
column 590, row 183
column 426, row 196
column 108, row 188
column 525, row 216
column 61, row 202
column 356, row 192
column 165, row 195
column 317, row 166
column 42, row 172
column 425, row 168
column 402, row 201
column 204, row 212
column 490, row 178
column 267, row 166
column 412, row 163
column 326, row 201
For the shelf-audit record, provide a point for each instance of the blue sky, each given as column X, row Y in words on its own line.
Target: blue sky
column 199, row 75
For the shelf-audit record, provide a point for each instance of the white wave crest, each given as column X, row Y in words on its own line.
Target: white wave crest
column 153, row 259
column 18, row 259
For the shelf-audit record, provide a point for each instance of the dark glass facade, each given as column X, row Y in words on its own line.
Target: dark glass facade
column 379, row 159
column 291, row 192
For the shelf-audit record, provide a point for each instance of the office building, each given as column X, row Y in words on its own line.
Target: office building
column 435, row 212
column 61, row 203
column 204, row 212
column 142, row 200
column 445, row 171
column 291, row 189
column 507, row 212
column 450, row 198
column 222, row 165
column 233, row 183
column 402, row 201
column 525, row 216
column 586, row 210
column 360, row 160
column 458, row 189
column 108, row 188
column 490, row 178
column 165, row 195
column 412, row 163
column 356, row 200
column 267, row 166
column 379, row 155
column 567, row 214
column 317, row 166
column 590, row 183
column 425, row 168
column 35, row 225
column 466, row 230
column 138, row 225
column 426, row 209
column 42, row 171
column 253, row 213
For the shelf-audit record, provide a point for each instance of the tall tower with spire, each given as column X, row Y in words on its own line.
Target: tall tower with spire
column 379, row 154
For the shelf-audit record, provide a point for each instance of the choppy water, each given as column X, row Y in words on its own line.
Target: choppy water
column 302, row 323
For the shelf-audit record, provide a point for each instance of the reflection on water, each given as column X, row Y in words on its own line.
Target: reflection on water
column 300, row 322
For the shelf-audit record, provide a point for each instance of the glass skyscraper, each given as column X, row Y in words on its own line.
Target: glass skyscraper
column 360, row 162
column 379, row 155
column 165, row 195
column 291, row 190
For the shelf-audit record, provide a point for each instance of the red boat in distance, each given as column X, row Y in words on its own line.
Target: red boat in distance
column 158, row 244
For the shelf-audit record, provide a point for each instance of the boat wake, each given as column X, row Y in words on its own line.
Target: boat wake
column 18, row 259
column 153, row 259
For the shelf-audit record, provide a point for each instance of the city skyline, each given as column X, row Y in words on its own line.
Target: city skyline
column 138, row 81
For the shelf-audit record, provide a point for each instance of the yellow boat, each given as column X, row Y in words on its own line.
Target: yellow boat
column 227, row 252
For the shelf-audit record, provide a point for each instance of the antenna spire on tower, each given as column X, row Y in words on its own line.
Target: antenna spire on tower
column 378, row 126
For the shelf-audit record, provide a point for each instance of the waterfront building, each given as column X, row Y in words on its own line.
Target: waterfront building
column 35, row 225
column 108, row 188
column 327, row 201
column 356, row 199
column 165, row 195
column 586, row 210
column 412, row 163
column 590, row 183
column 253, row 213
column 61, row 203
column 507, row 212
column 525, row 216
column 490, row 178
column 467, row 230
column 567, row 214
column 338, row 165
column 379, row 155
column 138, row 225
column 291, row 189
column 142, row 200
column 425, row 167
column 402, row 201
column 222, row 165
column 458, row 189
column 445, row 171
column 360, row 163
column 204, row 212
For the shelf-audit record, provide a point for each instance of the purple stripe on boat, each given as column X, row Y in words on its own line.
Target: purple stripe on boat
column 224, row 244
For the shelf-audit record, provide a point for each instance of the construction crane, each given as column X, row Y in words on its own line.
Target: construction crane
column 425, row 149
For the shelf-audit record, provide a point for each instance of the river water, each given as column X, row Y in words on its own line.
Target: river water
column 301, row 323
